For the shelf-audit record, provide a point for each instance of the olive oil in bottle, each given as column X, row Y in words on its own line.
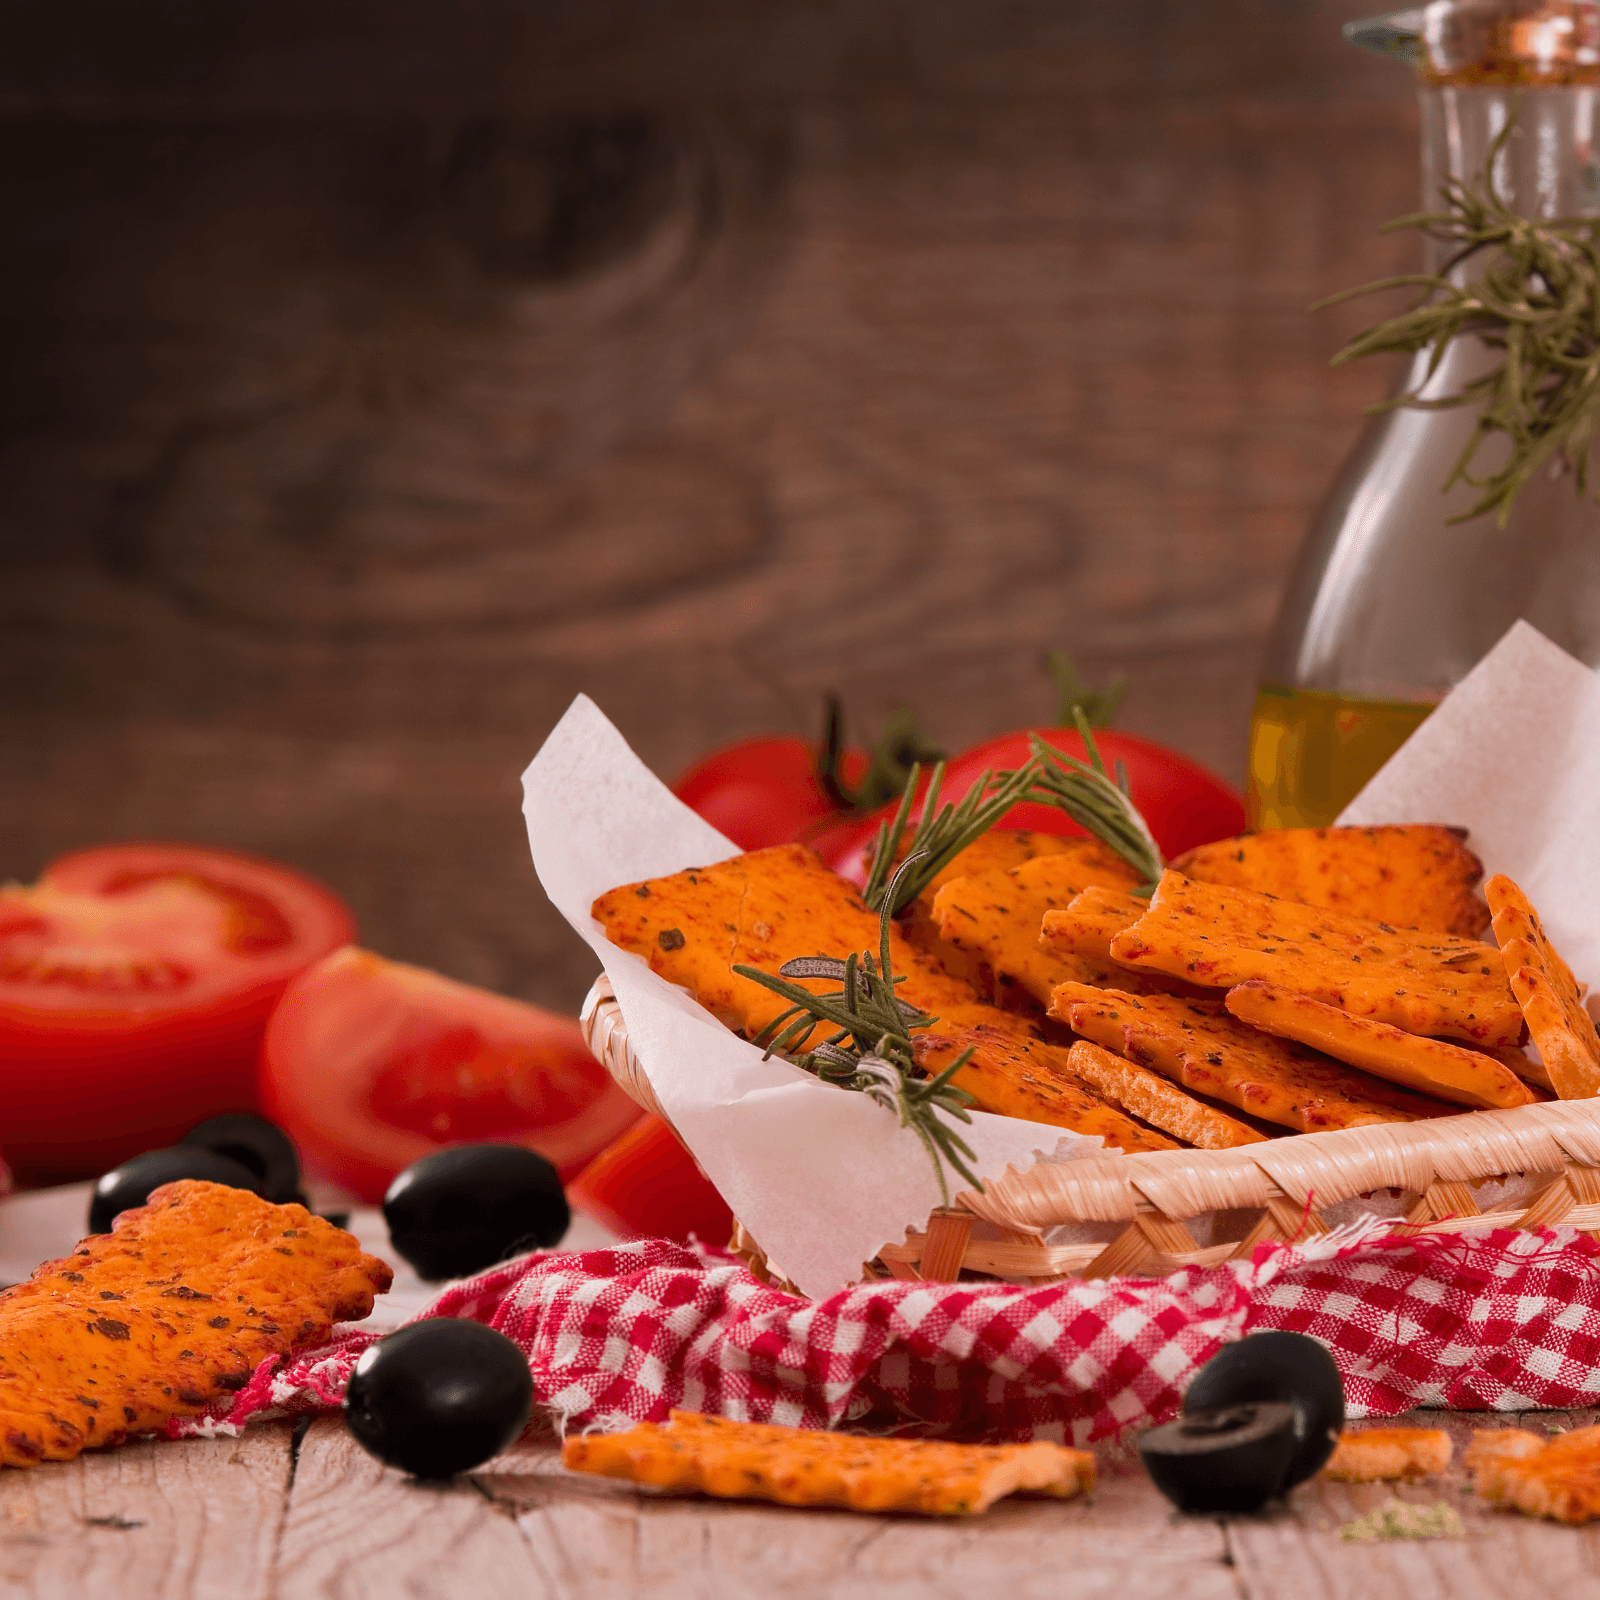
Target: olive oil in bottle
column 1311, row 752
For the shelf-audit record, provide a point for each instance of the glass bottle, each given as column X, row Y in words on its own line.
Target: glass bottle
column 1390, row 604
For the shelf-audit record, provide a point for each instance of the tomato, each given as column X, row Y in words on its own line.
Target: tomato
column 1184, row 804
column 646, row 1186
column 135, row 984
column 370, row 1065
column 761, row 792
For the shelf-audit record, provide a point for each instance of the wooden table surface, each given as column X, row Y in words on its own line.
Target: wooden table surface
column 293, row 1510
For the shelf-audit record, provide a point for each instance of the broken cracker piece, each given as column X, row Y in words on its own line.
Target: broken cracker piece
column 1547, row 992
column 1413, row 876
column 1560, row 1481
column 1158, row 1101
column 1090, row 921
column 812, row 1467
column 1375, row 1455
column 1431, row 1066
column 1425, row 983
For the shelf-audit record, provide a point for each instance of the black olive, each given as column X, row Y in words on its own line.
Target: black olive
column 1290, row 1367
column 463, row 1209
column 1231, row 1458
column 439, row 1397
column 255, row 1143
column 130, row 1184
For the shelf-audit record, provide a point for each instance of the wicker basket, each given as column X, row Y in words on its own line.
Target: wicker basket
column 1278, row 1190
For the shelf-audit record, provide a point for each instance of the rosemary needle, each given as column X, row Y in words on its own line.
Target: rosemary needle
column 870, row 1049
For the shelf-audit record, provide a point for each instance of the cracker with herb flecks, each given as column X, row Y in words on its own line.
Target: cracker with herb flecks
column 1036, row 1084
column 996, row 916
column 1547, row 992
column 1090, row 921
column 1416, row 876
column 1431, row 1066
column 1560, row 1481
column 767, row 907
column 1158, row 1101
column 813, row 1467
column 1425, row 983
column 1197, row 1044
column 1378, row 1455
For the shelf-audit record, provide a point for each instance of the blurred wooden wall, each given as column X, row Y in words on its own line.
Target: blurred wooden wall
column 377, row 377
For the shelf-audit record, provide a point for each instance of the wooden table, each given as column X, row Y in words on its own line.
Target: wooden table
column 295, row 1509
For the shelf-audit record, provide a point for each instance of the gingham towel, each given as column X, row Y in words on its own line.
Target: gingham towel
column 1500, row 1320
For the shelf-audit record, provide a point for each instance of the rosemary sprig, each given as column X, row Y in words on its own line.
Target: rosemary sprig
column 942, row 833
column 1097, row 803
column 1535, row 300
column 870, row 1050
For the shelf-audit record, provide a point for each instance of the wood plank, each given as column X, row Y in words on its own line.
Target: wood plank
column 601, row 1540
column 193, row 1520
column 355, row 1528
column 1296, row 1553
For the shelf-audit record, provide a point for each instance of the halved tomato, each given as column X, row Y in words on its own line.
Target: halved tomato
column 135, row 984
column 370, row 1065
column 647, row 1186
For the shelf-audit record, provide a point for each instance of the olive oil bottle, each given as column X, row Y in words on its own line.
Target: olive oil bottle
column 1311, row 752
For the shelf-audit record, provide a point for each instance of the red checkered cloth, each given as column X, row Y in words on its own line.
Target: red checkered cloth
column 1499, row 1320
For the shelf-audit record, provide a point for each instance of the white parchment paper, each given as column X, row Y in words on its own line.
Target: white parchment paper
column 821, row 1177
column 1513, row 755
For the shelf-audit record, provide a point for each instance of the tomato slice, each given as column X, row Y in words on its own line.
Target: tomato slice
column 647, row 1186
column 135, row 985
column 370, row 1065
column 1184, row 803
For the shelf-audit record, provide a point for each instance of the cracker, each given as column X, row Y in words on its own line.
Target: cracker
column 812, row 1467
column 1431, row 1066
column 766, row 907
column 1547, row 992
column 995, row 916
column 1035, row 1082
column 1158, row 1101
column 1425, row 983
column 1560, row 1481
column 1197, row 1044
column 1376, row 1455
column 1090, row 922
column 1411, row 877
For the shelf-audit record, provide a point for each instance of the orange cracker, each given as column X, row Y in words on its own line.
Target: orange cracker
column 996, row 915
column 1091, row 921
column 767, row 907
column 1547, row 992
column 1560, row 1481
column 1196, row 1043
column 1036, row 1084
column 1158, row 1101
column 1425, row 983
column 1432, row 1066
column 1375, row 1455
column 1413, row 876
column 812, row 1467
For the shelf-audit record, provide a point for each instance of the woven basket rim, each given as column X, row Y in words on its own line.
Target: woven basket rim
column 1293, row 1177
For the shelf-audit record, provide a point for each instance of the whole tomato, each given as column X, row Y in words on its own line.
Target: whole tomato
column 762, row 791
column 1184, row 804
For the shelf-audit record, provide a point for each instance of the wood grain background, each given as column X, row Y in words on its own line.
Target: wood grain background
column 379, row 377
